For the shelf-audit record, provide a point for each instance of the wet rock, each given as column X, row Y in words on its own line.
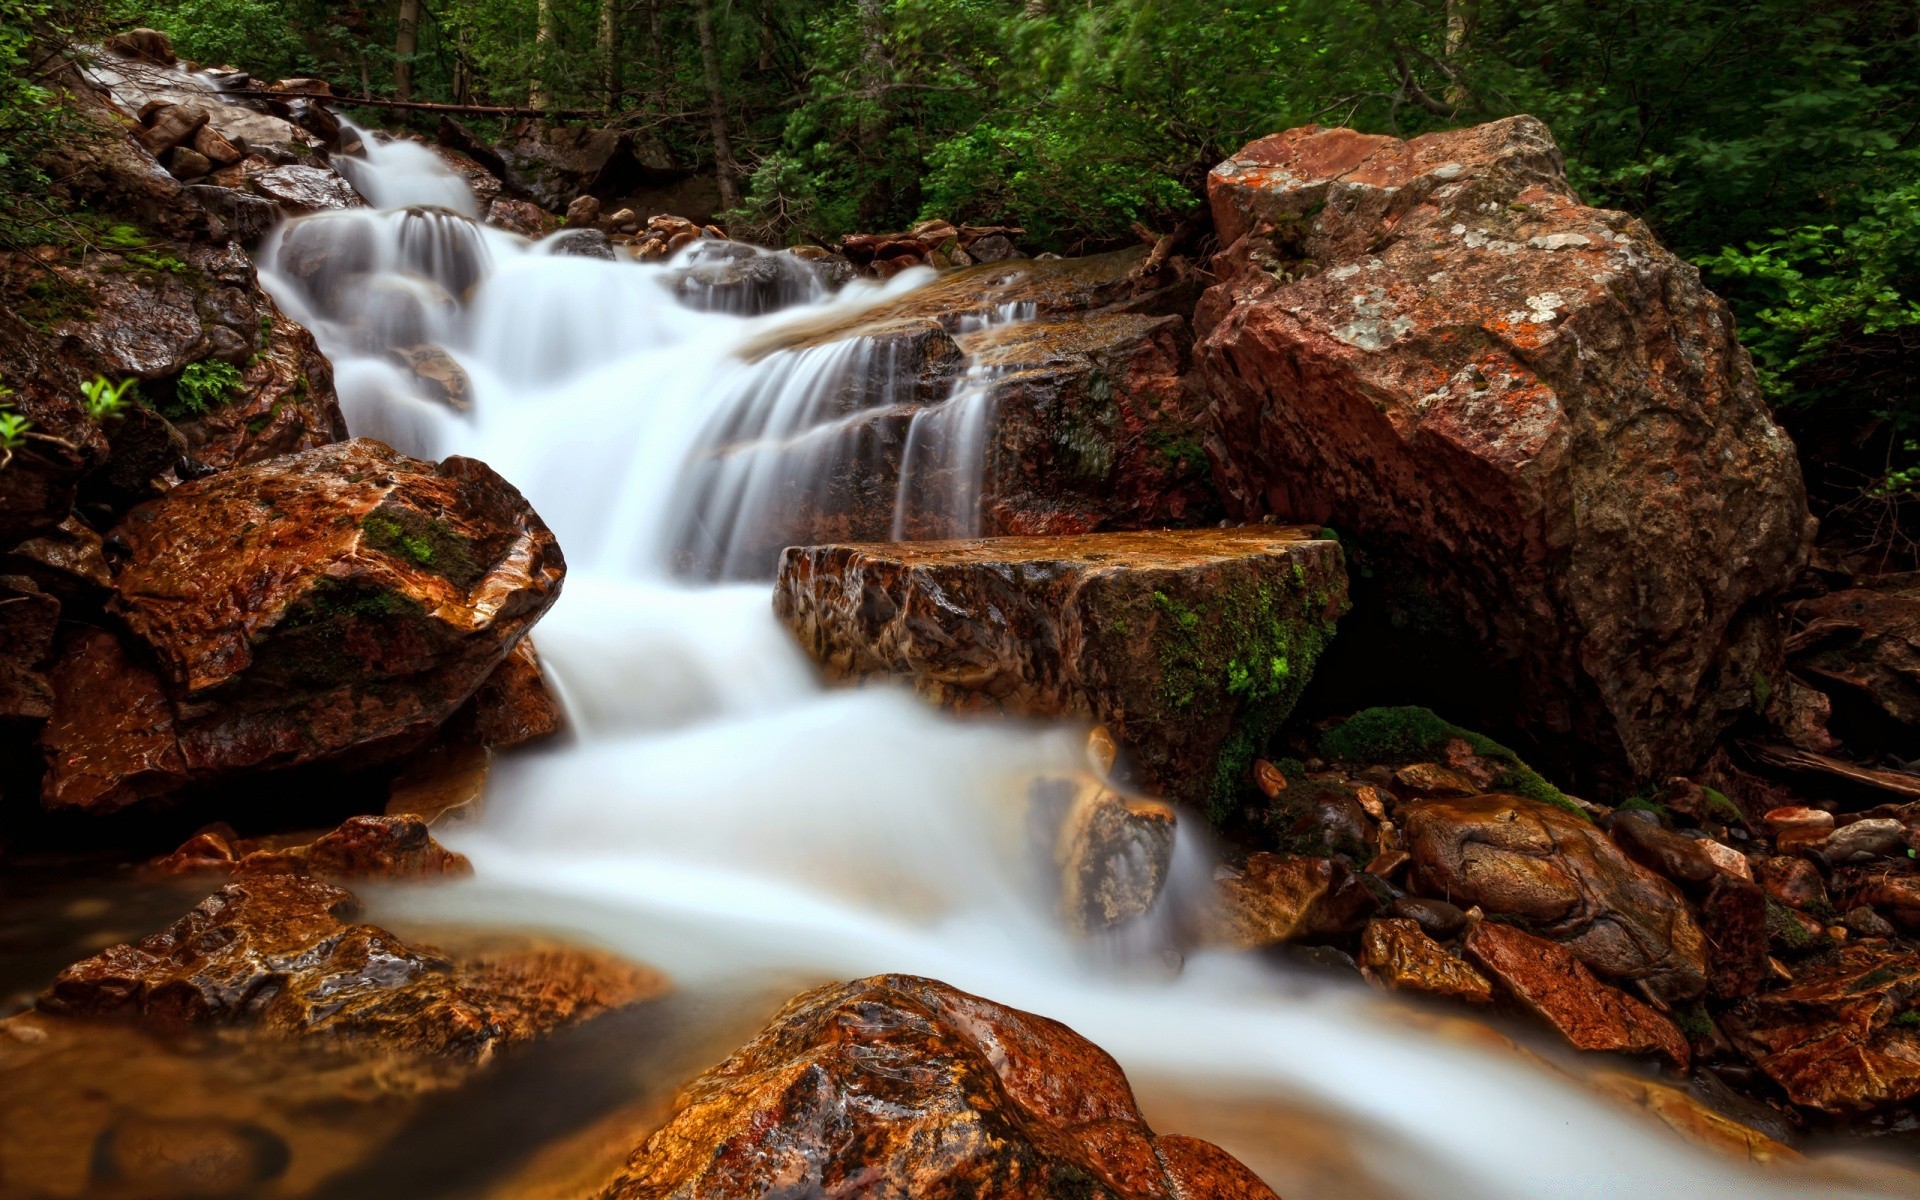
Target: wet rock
column 1323, row 818
column 1793, row 881
column 583, row 212
column 444, row 786
column 1554, row 985
column 1701, row 1123
column 1733, row 917
column 1890, row 890
column 1410, row 738
column 301, row 189
column 284, row 403
column 582, row 243
column 1534, row 863
column 169, row 1157
column 149, row 44
column 335, row 605
column 246, row 216
column 1863, row 921
column 1276, row 898
column 280, row 952
column 1110, row 852
column 1397, row 954
column 439, row 374
column 1438, row 918
column 1683, row 860
column 553, row 164
column 385, row 847
column 172, row 125
column 514, row 705
column 1864, row 643
column 522, row 217
column 1864, row 841
column 28, row 619
column 1779, row 820
column 186, row 163
column 67, row 562
column 1431, row 779
column 213, row 146
column 903, row 1086
column 1486, row 385
column 1190, row 647
column 41, row 478
column 1838, row 1037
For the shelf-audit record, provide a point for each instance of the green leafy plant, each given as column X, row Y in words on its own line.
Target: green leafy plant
column 13, row 433
column 106, row 400
column 201, row 388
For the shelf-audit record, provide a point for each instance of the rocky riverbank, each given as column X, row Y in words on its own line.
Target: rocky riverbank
column 1476, row 446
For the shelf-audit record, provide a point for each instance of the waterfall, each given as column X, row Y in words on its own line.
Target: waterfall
column 716, row 812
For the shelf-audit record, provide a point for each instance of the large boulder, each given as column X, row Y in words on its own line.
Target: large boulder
column 553, row 164
column 1190, row 646
column 1526, row 405
column 331, row 606
column 1559, row 876
column 896, row 1086
column 1862, row 645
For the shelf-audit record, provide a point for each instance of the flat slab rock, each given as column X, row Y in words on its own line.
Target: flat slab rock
column 1191, row 646
column 897, row 1086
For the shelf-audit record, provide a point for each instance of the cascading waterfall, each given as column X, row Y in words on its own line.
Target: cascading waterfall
column 714, row 811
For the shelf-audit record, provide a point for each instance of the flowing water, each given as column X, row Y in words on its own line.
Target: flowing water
column 716, row 812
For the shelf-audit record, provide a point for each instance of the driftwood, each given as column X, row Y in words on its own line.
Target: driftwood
column 1787, row 758
column 465, row 110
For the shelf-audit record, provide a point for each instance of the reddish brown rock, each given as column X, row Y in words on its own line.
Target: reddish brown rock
column 522, row 217
column 1865, row 642
column 1109, row 853
column 1733, row 917
column 1683, row 860
column 897, row 1086
column 1839, row 1036
column 28, row 618
column 1190, row 647
column 67, row 562
column 285, row 402
column 1526, row 404
column 387, row 847
column 1558, row 988
column 335, row 605
column 1890, row 889
column 279, row 952
column 1276, row 898
column 1794, row 882
column 1562, row 877
column 514, row 705
column 1397, row 954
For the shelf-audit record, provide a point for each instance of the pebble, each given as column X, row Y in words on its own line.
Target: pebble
column 1866, row 840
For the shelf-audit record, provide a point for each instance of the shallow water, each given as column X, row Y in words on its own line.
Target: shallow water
column 714, row 811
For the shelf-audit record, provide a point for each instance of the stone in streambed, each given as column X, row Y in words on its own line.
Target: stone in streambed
column 1561, row 876
column 1557, row 987
column 1273, row 899
column 1529, row 406
column 1190, row 647
column 1111, row 853
column 333, row 606
column 900, row 1086
column 389, row 847
column 1397, row 954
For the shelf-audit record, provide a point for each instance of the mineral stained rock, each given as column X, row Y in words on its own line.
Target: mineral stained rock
column 1189, row 646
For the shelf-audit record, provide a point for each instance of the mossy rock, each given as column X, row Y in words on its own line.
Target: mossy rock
column 1409, row 734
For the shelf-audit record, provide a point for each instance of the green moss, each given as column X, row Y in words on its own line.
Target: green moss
column 1694, row 1022
column 1785, row 932
column 1645, row 805
column 201, row 388
column 1397, row 736
column 1178, row 449
column 1724, row 808
column 1085, row 435
column 425, row 542
column 1762, row 689
column 50, row 301
column 1909, row 1018
column 1291, row 768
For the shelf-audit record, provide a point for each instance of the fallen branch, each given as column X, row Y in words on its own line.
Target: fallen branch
column 467, row 110
column 1785, row 757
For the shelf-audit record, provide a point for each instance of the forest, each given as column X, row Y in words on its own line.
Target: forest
column 1774, row 143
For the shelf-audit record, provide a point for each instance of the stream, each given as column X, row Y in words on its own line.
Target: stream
column 714, row 811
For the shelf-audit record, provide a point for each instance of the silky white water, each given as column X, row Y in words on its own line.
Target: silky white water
column 712, row 810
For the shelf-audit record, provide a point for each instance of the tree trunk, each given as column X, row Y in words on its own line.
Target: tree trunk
column 610, row 51
column 1460, row 20
column 537, row 94
column 462, row 69
column 405, row 42
column 723, row 165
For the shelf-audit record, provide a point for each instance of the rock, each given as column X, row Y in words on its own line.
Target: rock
column 302, row 189
column 1681, row 859
column 67, row 563
column 331, row 606
column 1794, row 882
column 28, row 619
column 1110, row 853
column 581, row 243
column 993, row 249
column 1837, row 1038
column 41, row 479
column 514, row 705
column 1438, row 918
column 172, row 125
column 522, row 217
column 899, row 1086
column 386, row 847
column 1431, row 779
column 482, row 179
column 583, row 212
column 213, row 146
column 1554, row 985
column 444, row 785
column 1733, row 918
column 1190, row 647
column 1863, row 921
column 1277, row 898
column 1891, row 891
column 279, row 952
column 1779, row 820
column 552, row 164
column 1528, row 405
column 1410, row 737
column 247, row 217
column 150, row 44
column 284, row 404
column 1534, row 863
column 144, row 1155
column 1863, row 643
column 1864, row 841
column 1697, row 1121
column 1398, row 955
column 188, row 163
column 439, row 374
column 1323, row 818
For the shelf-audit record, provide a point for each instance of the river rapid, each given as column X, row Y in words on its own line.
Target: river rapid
column 714, row 811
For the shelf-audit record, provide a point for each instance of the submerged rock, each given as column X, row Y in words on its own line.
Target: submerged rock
column 1190, row 647
column 1527, row 406
column 330, row 606
column 1558, row 988
column 1562, row 877
column 898, row 1086
column 280, row 952
column 1109, row 852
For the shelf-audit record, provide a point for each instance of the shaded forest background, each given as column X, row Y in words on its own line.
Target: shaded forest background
column 1776, row 143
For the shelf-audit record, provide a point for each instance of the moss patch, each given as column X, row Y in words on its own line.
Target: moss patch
column 1407, row 734
column 424, row 541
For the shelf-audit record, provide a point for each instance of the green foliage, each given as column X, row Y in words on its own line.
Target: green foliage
column 201, row 388
column 425, row 542
column 13, row 429
column 1397, row 736
column 106, row 400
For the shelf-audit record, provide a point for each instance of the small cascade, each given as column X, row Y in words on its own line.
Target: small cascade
column 396, row 173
